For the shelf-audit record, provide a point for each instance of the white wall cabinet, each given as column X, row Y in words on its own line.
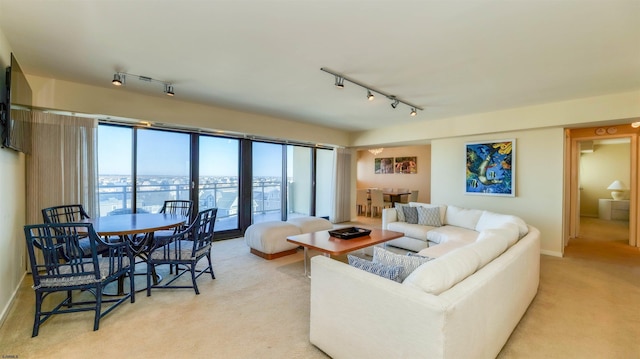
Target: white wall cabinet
column 611, row 209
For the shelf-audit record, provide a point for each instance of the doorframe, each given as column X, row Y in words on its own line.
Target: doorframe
column 571, row 185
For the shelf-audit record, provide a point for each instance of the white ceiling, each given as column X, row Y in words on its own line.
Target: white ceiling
column 451, row 57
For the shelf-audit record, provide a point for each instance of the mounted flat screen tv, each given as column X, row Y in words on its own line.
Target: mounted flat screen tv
column 16, row 114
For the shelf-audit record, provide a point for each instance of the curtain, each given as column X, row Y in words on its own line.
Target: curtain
column 341, row 206
column 62, row 166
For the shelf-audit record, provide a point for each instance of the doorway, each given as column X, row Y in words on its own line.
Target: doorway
column 601, row 159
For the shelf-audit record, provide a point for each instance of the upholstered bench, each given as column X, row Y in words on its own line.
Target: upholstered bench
column 269, row 239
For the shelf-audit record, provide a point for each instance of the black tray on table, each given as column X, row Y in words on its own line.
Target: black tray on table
column 349, row 232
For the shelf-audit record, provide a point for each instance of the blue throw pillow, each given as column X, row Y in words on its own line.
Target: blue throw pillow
column 429, row 216
column 386, row 271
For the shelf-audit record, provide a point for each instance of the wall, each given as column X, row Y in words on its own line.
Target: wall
column 366, row 176
column 538, row 178
column 117, row 102
column 12, row 210
column 598, row 169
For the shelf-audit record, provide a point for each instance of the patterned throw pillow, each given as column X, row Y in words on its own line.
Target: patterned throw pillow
column 410, row 214
column 400, row 211
column 429, row 216
column 407, row 263
column 386, row 271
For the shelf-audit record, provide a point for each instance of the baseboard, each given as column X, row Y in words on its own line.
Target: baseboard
column 551, row 253
column 5, row 310
column 270, row 256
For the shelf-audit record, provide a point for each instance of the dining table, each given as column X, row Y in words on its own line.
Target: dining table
column 395, row 195
column 138, row 230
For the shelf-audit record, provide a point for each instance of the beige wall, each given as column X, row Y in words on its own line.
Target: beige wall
column 421, row 180
column 118, row 102
column 598, row 169
column 538, row 178
column 12, row 210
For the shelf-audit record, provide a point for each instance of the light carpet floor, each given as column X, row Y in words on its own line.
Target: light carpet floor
column 586, row 307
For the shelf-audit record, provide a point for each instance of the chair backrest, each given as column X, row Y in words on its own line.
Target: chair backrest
column 178, row 206
column 61, row 256
column 413, row 197
column 68, row 213
column 202, row 229
column 377, row 199
column 362, row 197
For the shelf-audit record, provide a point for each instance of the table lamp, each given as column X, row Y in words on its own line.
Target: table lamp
column 617, row 189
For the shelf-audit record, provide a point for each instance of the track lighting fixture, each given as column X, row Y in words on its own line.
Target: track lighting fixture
column 370, row 96
column 119, row 79
column 168, row 89
column 340, row 78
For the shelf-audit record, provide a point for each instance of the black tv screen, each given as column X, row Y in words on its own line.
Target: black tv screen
column 16, row 126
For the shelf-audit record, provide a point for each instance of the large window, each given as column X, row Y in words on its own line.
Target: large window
column 115, row 170
column 140, row 168
column 219, row 180
column 162, row 168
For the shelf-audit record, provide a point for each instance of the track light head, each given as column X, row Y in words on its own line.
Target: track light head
column 413, row 112
column 395, row 103
column 370, row 96
column 118, row 79
column 168, row 89
column 339, row 82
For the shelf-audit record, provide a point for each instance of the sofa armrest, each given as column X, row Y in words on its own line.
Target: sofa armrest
column 353, row 314
column 388, row 215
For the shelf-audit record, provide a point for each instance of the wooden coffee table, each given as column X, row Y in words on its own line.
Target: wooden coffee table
column 326, row 244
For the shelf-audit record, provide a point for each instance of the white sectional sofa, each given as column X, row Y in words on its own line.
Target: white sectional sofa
column 463, row 304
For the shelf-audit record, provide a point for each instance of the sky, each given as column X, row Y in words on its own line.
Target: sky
column 167, row 153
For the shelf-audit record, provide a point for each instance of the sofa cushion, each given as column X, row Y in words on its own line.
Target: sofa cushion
column 489, row 245
column 410, row 214
column 462, row 217
column 438, row 275
column 429, row 216
column 400, row 212
column 441, row 207
column 441, row 249
column 451, row 233
column 386, row 271
column 508, row 230
column 416, row 231
column 408, row 263
column 490, row 220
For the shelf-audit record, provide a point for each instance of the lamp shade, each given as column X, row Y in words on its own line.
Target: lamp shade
column 618, row 186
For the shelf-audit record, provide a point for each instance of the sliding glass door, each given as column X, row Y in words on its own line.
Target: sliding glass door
column 267, row 184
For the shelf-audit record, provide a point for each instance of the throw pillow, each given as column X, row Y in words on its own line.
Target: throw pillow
column 410, row 214
column 407, row 263
column 386, row 271
column 429, row 216
column 400, row 211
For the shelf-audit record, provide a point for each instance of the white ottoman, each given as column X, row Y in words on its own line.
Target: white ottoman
column 311, row 224
column 269, row 239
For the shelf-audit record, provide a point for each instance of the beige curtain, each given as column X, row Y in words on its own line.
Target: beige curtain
column 341, row 206
column 62, row 166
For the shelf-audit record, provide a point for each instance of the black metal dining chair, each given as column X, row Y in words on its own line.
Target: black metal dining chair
column 47, row 243
column 184, row 250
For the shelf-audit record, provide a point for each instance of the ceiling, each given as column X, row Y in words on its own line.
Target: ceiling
column 450, row 57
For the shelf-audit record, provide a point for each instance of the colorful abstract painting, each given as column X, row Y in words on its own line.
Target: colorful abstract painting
column 491, row 168
column 383, row 165
column 406, row 165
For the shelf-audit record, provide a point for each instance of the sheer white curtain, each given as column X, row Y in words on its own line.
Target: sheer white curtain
column 62, row 166
column 341, row 206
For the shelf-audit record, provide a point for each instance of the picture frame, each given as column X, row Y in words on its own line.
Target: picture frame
column 491, row 168
column 383, row 165
column 406, row 165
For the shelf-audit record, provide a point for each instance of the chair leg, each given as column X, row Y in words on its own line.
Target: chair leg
column 193, row 278
column 210, row 266
column 98, row 309
column 149, row 273
column 36, row 321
